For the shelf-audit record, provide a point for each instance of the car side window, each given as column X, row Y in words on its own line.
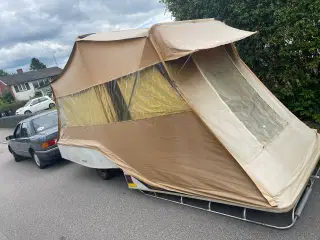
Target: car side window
column 43, row 99
column 17, row 131
column 34, row 102
column 25, row 130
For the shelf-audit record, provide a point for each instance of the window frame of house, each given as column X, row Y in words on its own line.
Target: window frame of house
column 22, row 87
column 41, row 83
column 16, row 89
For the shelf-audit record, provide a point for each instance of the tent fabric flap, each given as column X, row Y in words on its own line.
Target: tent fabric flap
column 166, row 152
column 178, row 39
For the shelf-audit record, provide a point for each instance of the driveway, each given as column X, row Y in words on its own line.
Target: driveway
column 68, row 201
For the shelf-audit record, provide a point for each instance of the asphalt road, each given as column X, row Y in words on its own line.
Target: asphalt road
column 67, row 201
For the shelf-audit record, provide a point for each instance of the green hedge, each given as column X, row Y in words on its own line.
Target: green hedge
column 285, row 51
column 12, row 106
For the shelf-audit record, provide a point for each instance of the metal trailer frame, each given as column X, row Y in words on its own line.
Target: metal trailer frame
column 242, row 213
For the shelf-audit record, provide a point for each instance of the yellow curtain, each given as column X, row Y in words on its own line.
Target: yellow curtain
column 152, row 96
column 90, row 107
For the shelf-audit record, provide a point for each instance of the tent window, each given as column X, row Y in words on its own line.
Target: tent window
column 257, row 116
column 149, row 94
column 140, row 95
column 89, row 107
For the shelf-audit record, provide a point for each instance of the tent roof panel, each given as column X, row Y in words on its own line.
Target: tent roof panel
column 116, row 35
column 165, row 41
column 177, row 39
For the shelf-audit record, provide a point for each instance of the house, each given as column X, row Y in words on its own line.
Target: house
column 24, row 85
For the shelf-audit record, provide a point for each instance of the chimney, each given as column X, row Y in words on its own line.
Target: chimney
column 19, row 71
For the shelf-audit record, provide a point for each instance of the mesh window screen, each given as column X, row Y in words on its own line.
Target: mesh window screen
column 149, row 94
column 86, row 108
column 257, row 116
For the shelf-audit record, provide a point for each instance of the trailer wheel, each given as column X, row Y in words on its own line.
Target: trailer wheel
column 104, row 174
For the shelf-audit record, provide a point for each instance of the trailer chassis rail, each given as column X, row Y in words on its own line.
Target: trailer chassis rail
column 243, row 213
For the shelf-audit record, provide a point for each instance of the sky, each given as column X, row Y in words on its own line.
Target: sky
column 47, row 28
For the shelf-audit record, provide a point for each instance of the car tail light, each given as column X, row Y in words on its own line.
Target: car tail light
column 48, row 143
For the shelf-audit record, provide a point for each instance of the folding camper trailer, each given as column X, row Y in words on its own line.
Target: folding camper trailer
column 177, row 110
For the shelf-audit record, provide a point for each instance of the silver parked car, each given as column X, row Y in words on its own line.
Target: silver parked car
column 36, row 138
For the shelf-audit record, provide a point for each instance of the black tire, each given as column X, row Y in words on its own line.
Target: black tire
column 16, row 157
column 37, row 160
column 51, row 105
column 27, row 112
column 104, row 174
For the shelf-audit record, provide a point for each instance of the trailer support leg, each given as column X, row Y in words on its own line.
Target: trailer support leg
column 244, row 213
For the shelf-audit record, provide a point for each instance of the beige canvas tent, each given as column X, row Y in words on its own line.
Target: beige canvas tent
column 176, row 108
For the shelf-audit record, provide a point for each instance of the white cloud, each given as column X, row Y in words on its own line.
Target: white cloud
column 36, row 28
column 156, row 19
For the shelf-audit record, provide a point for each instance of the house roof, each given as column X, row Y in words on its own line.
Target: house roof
column 30, row 76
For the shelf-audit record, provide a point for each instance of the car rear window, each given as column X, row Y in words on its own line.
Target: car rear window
column 45, row 121
column 43, row 99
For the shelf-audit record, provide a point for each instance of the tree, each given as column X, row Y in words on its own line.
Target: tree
column 36, row 64
column 285, row 52
column 3, row 72
column 7, row 97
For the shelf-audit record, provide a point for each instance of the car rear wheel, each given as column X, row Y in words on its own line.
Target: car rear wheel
column 27, row 112
column 51, row 105
column 37, row 160
column 104, row 174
